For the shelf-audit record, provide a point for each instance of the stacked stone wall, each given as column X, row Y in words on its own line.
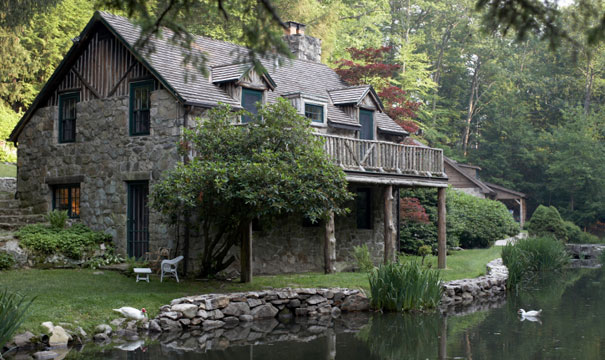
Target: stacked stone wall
column 103, row 158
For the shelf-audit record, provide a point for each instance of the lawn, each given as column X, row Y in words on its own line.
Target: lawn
column 82, row 298
column 8, row 170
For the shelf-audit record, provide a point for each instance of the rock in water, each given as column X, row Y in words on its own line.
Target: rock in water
column 59, row 337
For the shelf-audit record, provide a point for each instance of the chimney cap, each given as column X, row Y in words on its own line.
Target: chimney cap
column 295, row 28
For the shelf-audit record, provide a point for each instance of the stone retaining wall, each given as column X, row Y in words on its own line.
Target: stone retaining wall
column 213, row 311
column 489, row 287
column 8, row 184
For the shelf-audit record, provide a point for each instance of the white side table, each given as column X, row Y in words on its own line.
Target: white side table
column 142, row 273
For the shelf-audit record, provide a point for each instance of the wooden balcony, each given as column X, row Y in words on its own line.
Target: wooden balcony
column 384, row 157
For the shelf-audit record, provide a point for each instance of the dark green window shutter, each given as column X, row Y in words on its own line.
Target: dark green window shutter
column 249, row 99
column 366, row 120
column 140, row 104
column 67, row 116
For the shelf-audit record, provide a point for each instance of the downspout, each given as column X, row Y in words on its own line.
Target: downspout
column 398, row 223
column 186, row 215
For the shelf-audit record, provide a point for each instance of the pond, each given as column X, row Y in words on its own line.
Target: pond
column 572, row 327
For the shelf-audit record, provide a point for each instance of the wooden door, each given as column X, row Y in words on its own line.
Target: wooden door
column 138, row 219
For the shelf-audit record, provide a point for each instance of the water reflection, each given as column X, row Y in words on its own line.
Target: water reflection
column 571, row 327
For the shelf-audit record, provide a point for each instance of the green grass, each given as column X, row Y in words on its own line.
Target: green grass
column 84, row 299
column 8, row 170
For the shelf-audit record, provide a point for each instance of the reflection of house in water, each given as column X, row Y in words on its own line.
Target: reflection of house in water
column 466, row 178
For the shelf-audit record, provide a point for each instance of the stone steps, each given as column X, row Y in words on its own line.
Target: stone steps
column 13, row 216
column 6, row 196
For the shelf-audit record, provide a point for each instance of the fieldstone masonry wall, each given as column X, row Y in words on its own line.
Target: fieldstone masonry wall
column 102, row 159
column 489, row 287
column 214, row 311
column 8, row 184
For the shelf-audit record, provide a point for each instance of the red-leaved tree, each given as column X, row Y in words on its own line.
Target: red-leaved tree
column 370, row 67
column 411, row 210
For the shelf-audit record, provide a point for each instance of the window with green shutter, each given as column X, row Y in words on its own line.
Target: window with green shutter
column 140, row 104
column 67, row 116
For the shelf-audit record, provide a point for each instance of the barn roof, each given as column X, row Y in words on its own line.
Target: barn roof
column 226, row 61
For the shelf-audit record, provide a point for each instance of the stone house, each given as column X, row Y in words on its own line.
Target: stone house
column 106, row 124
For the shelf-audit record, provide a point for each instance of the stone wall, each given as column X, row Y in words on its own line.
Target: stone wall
column 213, row 311
column 488, row 288
column 104, row 157
column 8, row 184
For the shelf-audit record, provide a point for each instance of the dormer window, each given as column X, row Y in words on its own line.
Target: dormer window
column 315, row 112
column 250, row 98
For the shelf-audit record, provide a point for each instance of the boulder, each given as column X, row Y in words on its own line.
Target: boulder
column 231, row 321
column 23, row 340
column 335, row 312
column 154, row 326
column 218, row 302
column 59, row 337
column 188, row 310
column 100, row 337
column 237, row 309
column 172, row 315
column 355, row 302
column 103, row 328
column 117, row 322
column 245, row 318
column 316, row 299
column 212, row 324
column 169, row 325
column 47, row 326
column 254, row 302
column 264, row 312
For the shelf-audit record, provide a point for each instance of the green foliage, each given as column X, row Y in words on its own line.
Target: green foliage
column 575, row 235
column 546, row 221
column 6, row 261
column 135, row 263
column 57, row 218
column 106, row 259
column 8, row 120
column 404, row 287
column 363, row 258
column 12, row 312
column 423, row 251
column 476, row 222
column 73, row 242
column 268, row 168
column 529, row 257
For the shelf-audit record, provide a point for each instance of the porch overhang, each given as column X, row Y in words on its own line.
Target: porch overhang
column 365, row 177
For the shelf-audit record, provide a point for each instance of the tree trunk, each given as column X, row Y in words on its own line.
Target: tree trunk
column 330, row 246
column 246, row 253
column 437, row 76
column 389, row 226
column 471, row 106
column 588, row 86
column 441, row 229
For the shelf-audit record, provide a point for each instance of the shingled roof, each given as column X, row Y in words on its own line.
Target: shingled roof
column 227, row 61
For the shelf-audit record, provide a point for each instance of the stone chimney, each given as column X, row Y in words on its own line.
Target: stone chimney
column 303, row 46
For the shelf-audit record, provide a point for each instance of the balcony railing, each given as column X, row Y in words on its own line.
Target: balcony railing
column 384, row 157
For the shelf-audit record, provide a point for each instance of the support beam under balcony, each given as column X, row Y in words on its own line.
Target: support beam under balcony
column 389, row 226
column 441, row 229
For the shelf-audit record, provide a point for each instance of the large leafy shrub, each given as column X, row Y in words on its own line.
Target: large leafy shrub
column 575, row 235
column 528, row 257
column 363, row 258
column 57, row 218
column 546, row 221
column 404, row 287
column 73, row 242
column 476, row 222
column 6, row 261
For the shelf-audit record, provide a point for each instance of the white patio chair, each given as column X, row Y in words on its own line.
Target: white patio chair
column 169, row 267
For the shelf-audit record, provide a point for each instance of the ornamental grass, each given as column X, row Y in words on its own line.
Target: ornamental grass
column 404, row 287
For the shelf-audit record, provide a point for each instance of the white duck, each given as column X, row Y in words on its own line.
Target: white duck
column 132, row 313
column 530, row 314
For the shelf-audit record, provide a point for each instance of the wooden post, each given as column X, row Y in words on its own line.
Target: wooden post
column 330, row 246
column 442, row 353
column 246, row 254
column 441, row 229
column 389, row 226
column 522, row 212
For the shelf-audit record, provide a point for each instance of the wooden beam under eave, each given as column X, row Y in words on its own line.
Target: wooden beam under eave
column 441, row 229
